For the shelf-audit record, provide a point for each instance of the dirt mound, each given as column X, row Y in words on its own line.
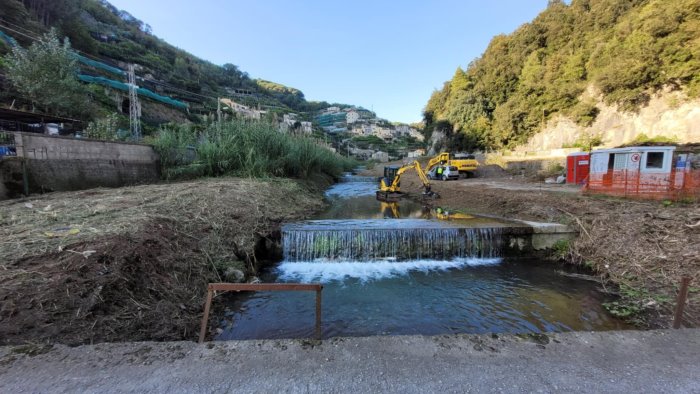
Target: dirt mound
column 142, row 286
column 131, row 263
column 491, row 171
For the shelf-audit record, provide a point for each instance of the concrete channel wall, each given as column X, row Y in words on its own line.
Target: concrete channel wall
column 54, row 163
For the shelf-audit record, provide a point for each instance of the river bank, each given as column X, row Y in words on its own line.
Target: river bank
column 596, row 362
column 132, row 264
column 641, row 248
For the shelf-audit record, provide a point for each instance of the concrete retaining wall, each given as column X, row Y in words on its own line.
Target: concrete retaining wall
column 62, row 164
column 44, row 147
column 11, row 185
column 63, row 175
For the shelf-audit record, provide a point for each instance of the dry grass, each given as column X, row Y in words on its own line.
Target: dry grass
column 130, row 263
column 48, row 223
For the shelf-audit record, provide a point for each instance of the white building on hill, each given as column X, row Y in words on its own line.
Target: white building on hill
column 352, row 117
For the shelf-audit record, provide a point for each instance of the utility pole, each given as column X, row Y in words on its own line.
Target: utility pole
column 218, row 113
column 134, row 106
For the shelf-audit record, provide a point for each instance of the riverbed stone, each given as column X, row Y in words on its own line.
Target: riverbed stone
column 234, row 275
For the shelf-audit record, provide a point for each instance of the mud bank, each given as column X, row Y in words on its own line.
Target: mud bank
column 132, row 264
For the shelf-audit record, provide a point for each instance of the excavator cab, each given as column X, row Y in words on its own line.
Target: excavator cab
column 390, row 173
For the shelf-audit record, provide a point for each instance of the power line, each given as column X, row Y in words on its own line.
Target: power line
column 20, row 33
column 4, row 23
column 87, row 55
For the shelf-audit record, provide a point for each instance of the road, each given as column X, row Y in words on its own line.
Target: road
column 623, row 361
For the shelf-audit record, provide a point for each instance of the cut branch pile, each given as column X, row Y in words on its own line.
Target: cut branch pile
column 130, row 263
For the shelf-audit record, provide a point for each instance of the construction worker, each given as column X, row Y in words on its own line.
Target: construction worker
column 439, row 171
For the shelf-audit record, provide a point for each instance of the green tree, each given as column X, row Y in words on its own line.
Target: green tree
column 45, row 73
column 626, row 49
column 103, row 129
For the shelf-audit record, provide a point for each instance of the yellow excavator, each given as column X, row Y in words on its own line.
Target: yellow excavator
column 390, row 183
column 466, row 164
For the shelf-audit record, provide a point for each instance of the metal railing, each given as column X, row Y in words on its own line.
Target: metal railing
column 260, row 287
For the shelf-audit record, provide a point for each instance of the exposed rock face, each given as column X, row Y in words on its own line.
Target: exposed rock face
column 668, row 114
column 435, row 142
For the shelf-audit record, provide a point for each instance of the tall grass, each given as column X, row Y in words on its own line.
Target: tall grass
column 243, row 148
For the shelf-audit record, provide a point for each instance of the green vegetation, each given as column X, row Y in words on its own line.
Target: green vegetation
column 396, row 148
column 561, row 248
column 586, row 142
column 243, row 148
column 368, row 142
column 45, row 73
column 626, row 49
column 633, row 301
column 101, row 31
column 643, row 139
column 107, row 128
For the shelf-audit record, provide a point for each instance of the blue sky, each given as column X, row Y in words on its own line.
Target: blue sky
column 383, row 55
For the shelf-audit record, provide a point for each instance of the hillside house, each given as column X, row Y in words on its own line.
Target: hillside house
column 352, row 117
column 242, row 110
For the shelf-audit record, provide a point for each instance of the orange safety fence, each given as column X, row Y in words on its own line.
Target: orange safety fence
column 675, row 185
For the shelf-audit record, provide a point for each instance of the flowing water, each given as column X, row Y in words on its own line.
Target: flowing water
column 391, row 269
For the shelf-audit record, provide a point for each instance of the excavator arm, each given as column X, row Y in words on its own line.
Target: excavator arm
column 442, row 157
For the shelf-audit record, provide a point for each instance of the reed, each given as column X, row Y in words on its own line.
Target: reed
column 244, row 148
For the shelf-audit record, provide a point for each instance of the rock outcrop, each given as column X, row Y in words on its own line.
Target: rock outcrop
column 668, row 114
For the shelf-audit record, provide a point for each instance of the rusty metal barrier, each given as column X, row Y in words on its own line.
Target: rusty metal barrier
column 680, row 302
column 260, row 287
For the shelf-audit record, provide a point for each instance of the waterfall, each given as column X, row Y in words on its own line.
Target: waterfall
column 368, row 240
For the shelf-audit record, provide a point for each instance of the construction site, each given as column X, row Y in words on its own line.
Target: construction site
column 133, row 263
column 490, row 256
column 171, row 224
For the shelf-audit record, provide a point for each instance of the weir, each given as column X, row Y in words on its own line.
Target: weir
column 396, row 239
column 357, row 178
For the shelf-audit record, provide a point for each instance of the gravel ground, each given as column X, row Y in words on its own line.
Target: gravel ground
column 622, row 361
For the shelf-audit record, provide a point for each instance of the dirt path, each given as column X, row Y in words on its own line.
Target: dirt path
column 132, row 263
column 600, row 362
column 644, row 247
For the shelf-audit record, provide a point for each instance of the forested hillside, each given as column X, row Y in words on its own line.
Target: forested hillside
column 624, row 49
column 100, row 31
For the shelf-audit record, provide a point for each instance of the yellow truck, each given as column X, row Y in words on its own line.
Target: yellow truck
column 466, row 163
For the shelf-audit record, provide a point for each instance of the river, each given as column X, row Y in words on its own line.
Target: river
column 468, row 290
